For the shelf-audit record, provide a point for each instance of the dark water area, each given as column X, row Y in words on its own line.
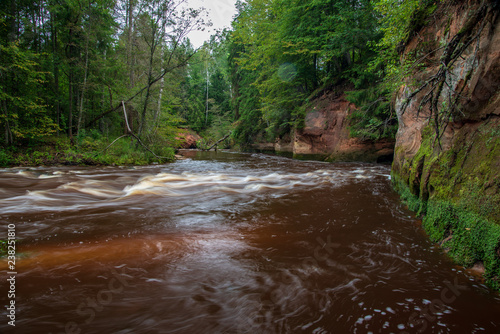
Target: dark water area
column 228, row 243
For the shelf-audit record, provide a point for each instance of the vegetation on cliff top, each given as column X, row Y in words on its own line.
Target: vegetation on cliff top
column 284, row 53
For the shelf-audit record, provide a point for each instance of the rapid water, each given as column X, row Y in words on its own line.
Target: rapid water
column 228, row 243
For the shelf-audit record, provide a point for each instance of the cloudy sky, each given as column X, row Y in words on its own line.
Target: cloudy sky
column 221, row 13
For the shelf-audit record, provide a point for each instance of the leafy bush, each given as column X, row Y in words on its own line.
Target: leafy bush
column 5, row 158
column 470, row 238
column 3, row 248
column 374, row 119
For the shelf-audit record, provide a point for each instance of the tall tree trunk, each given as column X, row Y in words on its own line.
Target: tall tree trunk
column 8, row 133
column 80, row 112
column 11, row 81
column 71, row 86
column 152, row 51
column 315, row 71
column 206, row 107
column 13, row 31
column 162, row 85
column 148, row 93
column 130, row 56
column 70, row 111
column 56, row 71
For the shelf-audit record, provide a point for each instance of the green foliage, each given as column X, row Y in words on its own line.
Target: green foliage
column 398, row 21
column 472, row 197
column 3, row 248
column 468, row 236
column 126, row 152
column 89, row 150
column 374, row 119
column 282, row 51
column 65, row 67
column 24, row 114
column 412, row 201
column 5, row 158
column 205, row 90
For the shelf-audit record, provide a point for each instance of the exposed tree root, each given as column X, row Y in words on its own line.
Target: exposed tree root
column 436, row 84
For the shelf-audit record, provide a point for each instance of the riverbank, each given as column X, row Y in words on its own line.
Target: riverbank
column 465, row 229
column 85, row 151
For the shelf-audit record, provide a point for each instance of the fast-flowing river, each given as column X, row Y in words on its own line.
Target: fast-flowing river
column 228, row 243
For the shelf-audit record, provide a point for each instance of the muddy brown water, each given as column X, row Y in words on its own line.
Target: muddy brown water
column 229, row 243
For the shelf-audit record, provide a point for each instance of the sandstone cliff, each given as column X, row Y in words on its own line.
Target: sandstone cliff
column 447, row 155
column 325, row 135
column 187, row 139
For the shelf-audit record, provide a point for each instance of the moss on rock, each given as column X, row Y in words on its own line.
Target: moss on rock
column 457, row 191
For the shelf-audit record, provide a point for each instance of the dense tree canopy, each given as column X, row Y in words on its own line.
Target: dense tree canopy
column 67, row 65
column 282, row 52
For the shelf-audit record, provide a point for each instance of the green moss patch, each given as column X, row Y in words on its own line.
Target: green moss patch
column 468, row 236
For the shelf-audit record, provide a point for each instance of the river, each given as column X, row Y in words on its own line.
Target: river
column 228, row 243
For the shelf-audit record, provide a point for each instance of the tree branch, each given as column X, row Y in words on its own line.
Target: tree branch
column 131, row 134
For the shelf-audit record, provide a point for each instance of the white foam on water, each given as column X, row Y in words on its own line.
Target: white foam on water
column 89, row 192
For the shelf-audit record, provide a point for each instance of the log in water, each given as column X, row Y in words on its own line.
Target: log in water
column 229, row 243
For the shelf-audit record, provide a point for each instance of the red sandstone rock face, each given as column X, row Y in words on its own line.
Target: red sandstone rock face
column 475, row 76
column 326, row 133
column 187, row 140
column 325, row 136
column 467, row 147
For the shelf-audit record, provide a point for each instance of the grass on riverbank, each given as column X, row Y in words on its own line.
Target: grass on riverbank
column 86, row 150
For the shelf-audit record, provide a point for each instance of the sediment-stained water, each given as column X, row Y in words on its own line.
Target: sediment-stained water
column 228, row 243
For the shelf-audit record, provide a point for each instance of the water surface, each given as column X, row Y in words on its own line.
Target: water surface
column 229, row 243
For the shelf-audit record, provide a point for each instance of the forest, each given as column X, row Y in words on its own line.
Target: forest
column 79, row 75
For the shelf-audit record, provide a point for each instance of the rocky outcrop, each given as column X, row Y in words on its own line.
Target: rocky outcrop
column 447, row 155
column 444, row 148
column 325, row 136
column 187, row 139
